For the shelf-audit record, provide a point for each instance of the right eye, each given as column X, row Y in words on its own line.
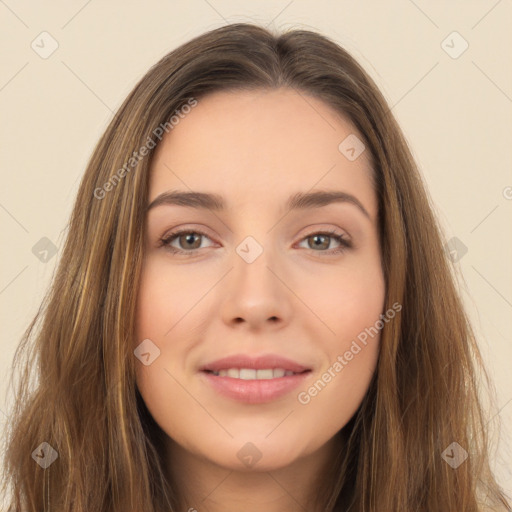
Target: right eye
column 187, row 238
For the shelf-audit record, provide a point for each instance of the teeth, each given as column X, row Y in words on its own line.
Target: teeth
column 264, row 374
column 251, row 374
column 247, row 374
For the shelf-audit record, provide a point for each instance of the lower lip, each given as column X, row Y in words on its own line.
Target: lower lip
column 255, row 391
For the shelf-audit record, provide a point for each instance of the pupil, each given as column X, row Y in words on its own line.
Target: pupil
column 189, row 238
column 318, row 238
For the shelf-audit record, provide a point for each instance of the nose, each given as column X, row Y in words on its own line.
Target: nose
column 256, row 295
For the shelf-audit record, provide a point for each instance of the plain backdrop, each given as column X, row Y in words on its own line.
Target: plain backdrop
column 444, row 66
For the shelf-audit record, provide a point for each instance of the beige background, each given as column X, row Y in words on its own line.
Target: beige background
column 455, row 112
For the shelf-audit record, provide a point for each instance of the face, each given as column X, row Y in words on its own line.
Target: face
column 254, row 305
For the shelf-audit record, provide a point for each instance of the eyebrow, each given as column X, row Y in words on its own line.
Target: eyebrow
column 298, row 201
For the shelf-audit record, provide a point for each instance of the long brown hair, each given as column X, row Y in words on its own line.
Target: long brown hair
column 76, row 389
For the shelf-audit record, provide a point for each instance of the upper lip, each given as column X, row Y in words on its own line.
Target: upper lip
column 254, row 362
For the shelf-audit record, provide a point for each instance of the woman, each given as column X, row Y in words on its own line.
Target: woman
column 253, row 309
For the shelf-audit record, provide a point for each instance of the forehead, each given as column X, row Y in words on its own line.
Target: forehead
column 258, row 145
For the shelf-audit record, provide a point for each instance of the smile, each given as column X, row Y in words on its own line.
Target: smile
column 253, row 374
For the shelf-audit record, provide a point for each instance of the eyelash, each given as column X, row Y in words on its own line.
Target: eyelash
column 341, row 239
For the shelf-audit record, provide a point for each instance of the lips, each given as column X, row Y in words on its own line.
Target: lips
column 265, row 362
column 254, row 380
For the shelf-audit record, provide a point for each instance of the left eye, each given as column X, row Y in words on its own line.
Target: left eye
column 322, row 241
column 190, row 241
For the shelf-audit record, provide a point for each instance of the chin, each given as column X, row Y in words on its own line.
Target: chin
column 254, row 454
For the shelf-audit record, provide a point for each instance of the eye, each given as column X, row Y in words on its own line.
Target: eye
column 322, row 240
column 189, row 240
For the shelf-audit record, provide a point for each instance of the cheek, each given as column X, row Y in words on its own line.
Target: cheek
column 348, row 300
column 158, row 309
column 168, row 311
column 352, row 303
column 164, row 298
column 359, row 326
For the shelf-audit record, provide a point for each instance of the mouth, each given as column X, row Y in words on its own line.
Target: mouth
column 254, row 380
column 262, row 364
column 254, row 374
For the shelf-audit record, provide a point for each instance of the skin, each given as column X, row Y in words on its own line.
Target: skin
column 256, row 149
